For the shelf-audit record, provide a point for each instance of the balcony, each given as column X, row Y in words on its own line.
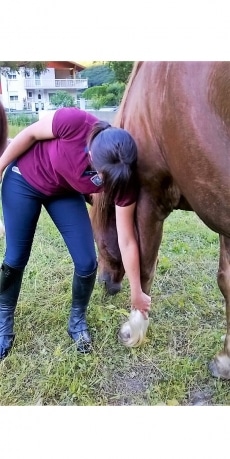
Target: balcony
column 48, row 83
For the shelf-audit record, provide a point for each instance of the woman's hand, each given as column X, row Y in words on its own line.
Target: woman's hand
column 142, row 302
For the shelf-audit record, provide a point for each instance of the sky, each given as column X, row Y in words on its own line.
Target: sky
column 99, row 30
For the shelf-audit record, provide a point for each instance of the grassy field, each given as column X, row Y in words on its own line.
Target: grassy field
column 186, row 325
column 13, row 130
column 187, row 322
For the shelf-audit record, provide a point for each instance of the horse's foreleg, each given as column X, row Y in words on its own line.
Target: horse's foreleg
column 220, row 366
column 149, row 229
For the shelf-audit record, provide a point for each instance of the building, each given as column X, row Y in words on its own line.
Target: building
column 30, row 91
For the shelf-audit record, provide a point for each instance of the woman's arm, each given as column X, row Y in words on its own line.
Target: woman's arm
column 41, row 130
column 130, row 256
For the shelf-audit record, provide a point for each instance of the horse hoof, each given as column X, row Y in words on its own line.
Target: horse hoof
column 132, row 333
column 111, row 288
column 124, row 335
column 220, row 367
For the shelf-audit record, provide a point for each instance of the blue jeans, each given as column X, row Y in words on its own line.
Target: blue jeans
column 21, row 204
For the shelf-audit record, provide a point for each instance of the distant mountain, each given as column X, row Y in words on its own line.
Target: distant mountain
column 98, row 74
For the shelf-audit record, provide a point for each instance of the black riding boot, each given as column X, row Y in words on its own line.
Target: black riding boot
column 81, row 292
column 10, row 284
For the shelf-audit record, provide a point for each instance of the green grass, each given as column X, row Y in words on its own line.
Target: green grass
column 13, row 130
column 186, row 325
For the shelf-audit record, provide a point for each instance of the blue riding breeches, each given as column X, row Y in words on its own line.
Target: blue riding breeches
column 22, row 204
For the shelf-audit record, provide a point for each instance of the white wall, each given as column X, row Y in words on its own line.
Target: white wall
column 101, row 115
column 13, row 87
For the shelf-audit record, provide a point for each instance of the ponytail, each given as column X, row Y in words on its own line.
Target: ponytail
column 114, row 155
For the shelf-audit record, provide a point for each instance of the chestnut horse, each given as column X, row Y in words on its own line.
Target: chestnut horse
column 179, row 115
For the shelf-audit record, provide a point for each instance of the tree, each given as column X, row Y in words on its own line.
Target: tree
column 122, row 69
column 62, row 99
column 98, row 74
column 106, row 95
column 9, row 66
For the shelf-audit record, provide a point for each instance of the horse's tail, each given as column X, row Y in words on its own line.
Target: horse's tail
column 118, row 120
column 3, row 128
column 100, row 210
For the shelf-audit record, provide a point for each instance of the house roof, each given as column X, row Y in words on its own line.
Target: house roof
column 65, row 65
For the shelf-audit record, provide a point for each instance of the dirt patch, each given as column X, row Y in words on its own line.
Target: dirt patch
column 200, row 397
column 130, row 387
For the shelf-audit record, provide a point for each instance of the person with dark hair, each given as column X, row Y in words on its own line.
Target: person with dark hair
column 56, row 163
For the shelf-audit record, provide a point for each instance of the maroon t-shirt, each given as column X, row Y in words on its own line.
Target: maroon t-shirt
column 57, row 166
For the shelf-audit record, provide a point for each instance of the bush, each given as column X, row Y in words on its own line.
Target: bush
column 106, row 95
column 62, row 99
column 21, row 120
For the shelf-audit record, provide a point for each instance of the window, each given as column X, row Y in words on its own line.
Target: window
column 12, row 76
column 30, row 95
column 37, row 79
column 13, row 97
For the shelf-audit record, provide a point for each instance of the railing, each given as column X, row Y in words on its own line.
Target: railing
column 79, row 83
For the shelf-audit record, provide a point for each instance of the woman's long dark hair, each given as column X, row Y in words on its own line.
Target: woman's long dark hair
column 3, row 129
column 114, row 155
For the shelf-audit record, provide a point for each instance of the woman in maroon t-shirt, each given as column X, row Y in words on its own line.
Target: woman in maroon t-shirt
column 54, row 163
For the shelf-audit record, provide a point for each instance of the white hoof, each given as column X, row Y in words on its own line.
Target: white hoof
column 132, row 333
column 220, row 366
column 2, row 229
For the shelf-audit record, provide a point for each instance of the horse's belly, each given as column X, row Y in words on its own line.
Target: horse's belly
column 211, row 202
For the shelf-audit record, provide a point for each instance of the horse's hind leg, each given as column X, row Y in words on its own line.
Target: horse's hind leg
column 220, row 366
